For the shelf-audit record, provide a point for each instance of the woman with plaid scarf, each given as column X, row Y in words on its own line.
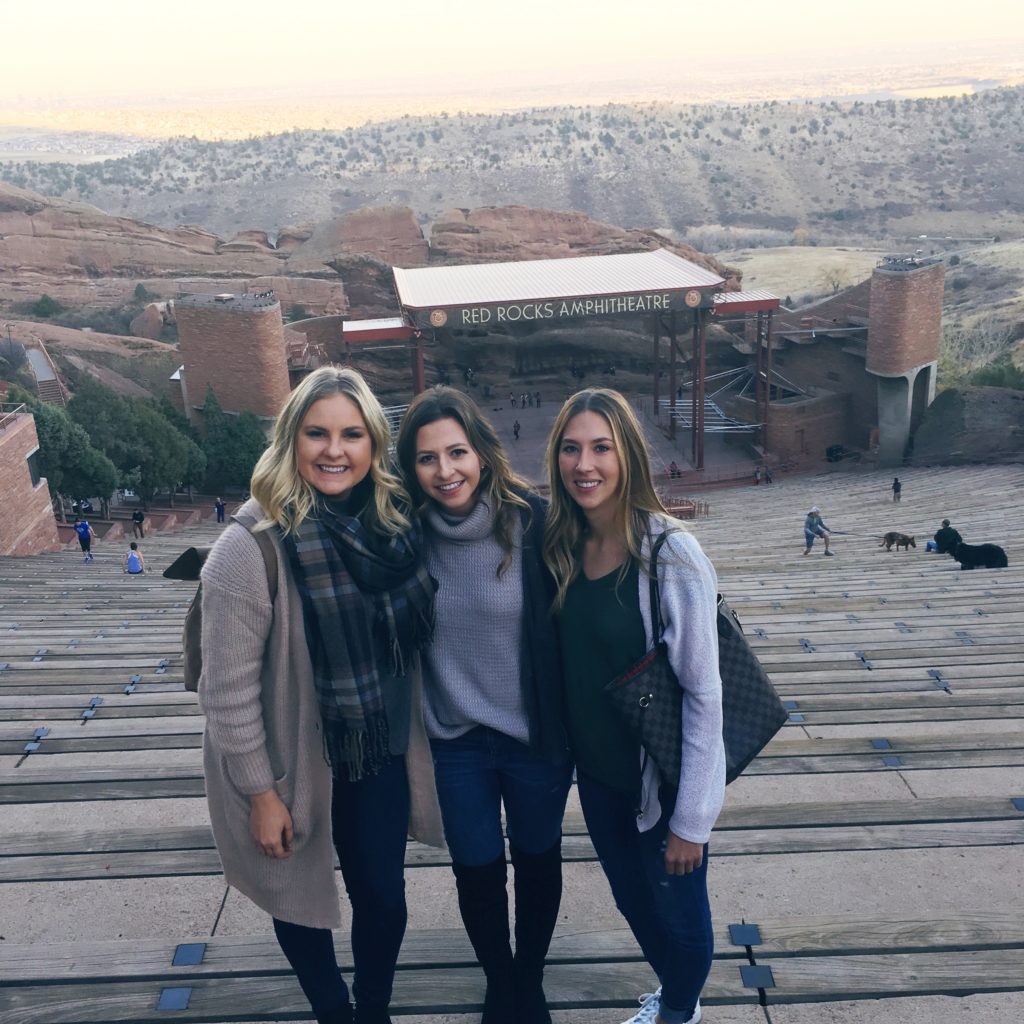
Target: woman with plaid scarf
column 314, row 742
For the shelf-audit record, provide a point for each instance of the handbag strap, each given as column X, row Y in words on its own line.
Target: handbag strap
column 657, row 626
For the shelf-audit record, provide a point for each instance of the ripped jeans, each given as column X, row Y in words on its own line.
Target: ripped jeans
column 668, row 914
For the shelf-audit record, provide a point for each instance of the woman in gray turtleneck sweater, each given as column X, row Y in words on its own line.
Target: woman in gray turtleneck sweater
column 492, row 688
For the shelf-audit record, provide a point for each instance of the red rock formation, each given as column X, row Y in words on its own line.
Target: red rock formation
column 84, row 258
column 61, row 238
column 508, row 233
column 387, row 233
column 149, row 323
column 291, row 237
column 247, row 241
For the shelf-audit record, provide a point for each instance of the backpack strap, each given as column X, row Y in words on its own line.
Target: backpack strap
column 266, row 543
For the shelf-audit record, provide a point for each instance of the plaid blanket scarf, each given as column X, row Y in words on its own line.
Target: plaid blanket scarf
column 368, row 604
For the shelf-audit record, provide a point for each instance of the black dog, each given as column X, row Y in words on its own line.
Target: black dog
column 980, row 556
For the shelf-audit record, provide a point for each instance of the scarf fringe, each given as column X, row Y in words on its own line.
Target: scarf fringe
column 354, row 754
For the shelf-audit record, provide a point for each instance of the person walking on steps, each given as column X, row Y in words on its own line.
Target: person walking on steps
column 814, row 526
column 219, row 507
column 650, row 830
column 85, row 537
column 138, row 519
column 515, row 429
column 314, row 744
column 492, row 683
column 897, row 488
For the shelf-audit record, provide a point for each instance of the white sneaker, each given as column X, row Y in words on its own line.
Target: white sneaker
column 650, row 1004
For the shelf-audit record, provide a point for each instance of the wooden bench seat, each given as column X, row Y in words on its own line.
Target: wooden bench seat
column 189, row 850
column 807, row 959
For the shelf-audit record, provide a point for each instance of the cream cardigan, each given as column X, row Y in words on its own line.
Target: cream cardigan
column 263, row 731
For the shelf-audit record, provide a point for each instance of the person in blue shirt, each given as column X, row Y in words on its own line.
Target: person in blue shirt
column 133, row 563
column 85, row 537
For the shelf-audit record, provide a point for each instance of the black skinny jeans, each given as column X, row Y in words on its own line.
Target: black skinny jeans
column 369, row 821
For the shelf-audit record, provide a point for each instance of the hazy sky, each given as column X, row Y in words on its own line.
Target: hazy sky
column 81, row 50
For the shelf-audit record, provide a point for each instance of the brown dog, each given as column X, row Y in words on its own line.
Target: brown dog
column 901, row 540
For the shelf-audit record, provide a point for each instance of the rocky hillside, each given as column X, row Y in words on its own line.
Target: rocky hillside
column 84, row 258
column 970, row 425
column 950, row 165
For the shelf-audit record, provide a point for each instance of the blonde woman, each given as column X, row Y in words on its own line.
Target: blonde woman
column 308, row 693
column 602, row 524
column 492, row 683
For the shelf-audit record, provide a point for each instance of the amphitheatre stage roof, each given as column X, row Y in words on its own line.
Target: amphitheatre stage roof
column 641, row 282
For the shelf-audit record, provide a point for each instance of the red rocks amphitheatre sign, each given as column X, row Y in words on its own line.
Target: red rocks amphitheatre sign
column 488, row 295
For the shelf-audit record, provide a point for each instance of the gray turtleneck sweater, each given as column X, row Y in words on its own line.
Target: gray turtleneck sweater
column 471, row 669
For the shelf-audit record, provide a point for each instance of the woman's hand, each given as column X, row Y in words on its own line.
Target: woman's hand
column 270, row 824
column 681, row 856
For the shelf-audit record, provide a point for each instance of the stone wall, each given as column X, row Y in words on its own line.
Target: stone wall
column 27, row 525
column 825, row 366
column 799, row 430
column 905, row 319
column 239, row 350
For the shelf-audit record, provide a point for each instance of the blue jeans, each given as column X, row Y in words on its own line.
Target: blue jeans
column 482, row 769
column 369, row 821
column 668, row 914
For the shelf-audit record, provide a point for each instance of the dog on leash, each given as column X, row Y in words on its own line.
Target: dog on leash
column 980, row 556
column 901, row 540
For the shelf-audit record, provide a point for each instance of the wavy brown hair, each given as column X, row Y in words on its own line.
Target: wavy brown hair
column 499, row 485
column 276, row 484
column 565, row 526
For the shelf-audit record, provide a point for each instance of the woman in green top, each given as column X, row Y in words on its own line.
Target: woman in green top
column 650, row 833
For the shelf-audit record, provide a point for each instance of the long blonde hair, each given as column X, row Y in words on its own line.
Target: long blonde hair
column 286, row 498
column 566, row 526
column 500, row 486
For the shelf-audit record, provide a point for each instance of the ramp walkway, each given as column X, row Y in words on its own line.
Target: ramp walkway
column 867, row 866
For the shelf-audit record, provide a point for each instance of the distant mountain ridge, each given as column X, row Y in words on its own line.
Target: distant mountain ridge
column 834, row 168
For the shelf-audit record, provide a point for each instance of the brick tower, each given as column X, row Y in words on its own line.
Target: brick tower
column 234, row 343
column 905, row 318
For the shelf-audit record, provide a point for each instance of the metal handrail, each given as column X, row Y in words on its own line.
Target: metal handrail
column 9, row 411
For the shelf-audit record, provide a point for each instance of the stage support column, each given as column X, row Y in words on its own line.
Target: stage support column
column 419, row 369
column 767, row 379
column 762, row 379
column 672, row 375
column 694, row 374
column 700, row 372
column 657, row 367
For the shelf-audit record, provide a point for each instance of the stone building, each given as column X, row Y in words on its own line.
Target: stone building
column 27, row 526
column 236, row 345
column 858, row 371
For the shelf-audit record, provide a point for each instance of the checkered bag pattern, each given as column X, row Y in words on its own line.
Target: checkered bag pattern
column 752, row 712
column 649, row 699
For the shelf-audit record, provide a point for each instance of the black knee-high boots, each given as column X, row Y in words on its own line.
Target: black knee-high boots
column 483, row 903
column 538, row 888
column 515, row 992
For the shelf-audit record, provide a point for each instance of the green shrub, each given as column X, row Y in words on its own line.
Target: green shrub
column 1000, row 373
column 46, row 306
